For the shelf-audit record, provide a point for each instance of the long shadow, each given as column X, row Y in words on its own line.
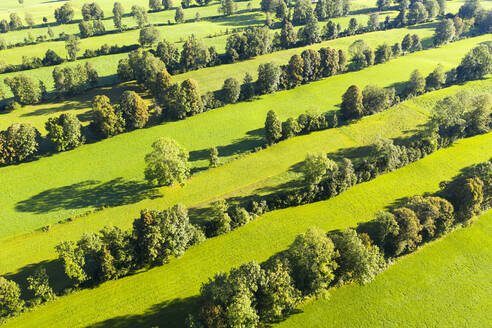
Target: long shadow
column 166, row 314
column 54, row 268
column 241, row 20
column 253, row 139
column 89, row 193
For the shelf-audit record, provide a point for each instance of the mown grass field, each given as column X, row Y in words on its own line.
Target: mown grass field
column 94, row 167
column 209, row 79
column 444, row 284
column 266, row 171
column 163, row 295
column 107, row 65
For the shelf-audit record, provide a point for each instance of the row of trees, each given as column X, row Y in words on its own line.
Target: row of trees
column 254, row 294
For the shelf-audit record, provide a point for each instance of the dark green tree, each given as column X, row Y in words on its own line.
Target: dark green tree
column 273, row 128
column 64, row 132
column 352, row 105
column 134, row 110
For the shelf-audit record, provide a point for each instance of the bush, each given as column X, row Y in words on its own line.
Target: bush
column 230, row 91
column 10, row 301
column 18, row 143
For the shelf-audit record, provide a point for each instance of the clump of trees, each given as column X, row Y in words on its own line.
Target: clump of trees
column 113, row 253
column 18, row 143
column 253, row 293
column 25, row 89
column 74, row 80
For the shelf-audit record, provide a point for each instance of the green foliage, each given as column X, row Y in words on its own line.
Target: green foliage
column 108, row 120
column 220, row 221
column 312, row 259
column 247, row 88
column 155, row 5
column 213, row 157
column 149, row 35
column 273, row 127
column 466, row 195
column 51, row 58
column 134, row 110
column 409, row 231
column 382, row 54
column 316, row 166
column 194, row 54
column 74, row 80
column 352, row 105
column 118, row 12
column 416, row 84
column 288, row 36
column 475, row 65
column 167, row 163
column 444, row 33
column 230, row 91
column 92, row 11
column 139, row 13
column 18, row 143
column 310, row 33
column 356, row 262
column 10, row 301
column 161, row 234
column 64, row 132
column 64, row 14
column 38, row 283
column 376, row 99
column 227, row 7
column 25, row 89
column 179, row 15
column 268, row 78
column 72, row 46
column 436, row 79
column 168, row 53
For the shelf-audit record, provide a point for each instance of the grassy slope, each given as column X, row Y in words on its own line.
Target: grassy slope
column 107, row 65
column 24, row 202
column 162, row 295
column 444, row 284
column 209, row 79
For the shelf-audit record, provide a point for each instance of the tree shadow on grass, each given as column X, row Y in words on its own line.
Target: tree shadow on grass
column 166, row 314
column 253, row 139
column 241, row 20
column 54, row 268
column 89, row 193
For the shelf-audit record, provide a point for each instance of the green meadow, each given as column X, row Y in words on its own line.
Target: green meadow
column 444, row 284
column 117, row 163
column 209, row 79
column 164, row 295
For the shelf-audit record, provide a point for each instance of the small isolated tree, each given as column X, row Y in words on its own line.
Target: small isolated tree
column 416, row 84
column 10, row 301
column 149, row 35
column 134, row 110
column 64, row 131
column 396, row 49
column 118, row 12
column 213, row 157
column 315, row 166
column 139, row 13
column 39, row 284
column 179, row 15
column 352, row 106
column 445, row 32
column 29, row 20
column 382, row 54
column 107, row 120
column 312, row 259
column 167, row 163
column 230, row 91
column 273, row 128
column 51, row 58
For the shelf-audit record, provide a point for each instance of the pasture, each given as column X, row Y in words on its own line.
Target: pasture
column 166, row 294
column 102, row 164
column 434, row 286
